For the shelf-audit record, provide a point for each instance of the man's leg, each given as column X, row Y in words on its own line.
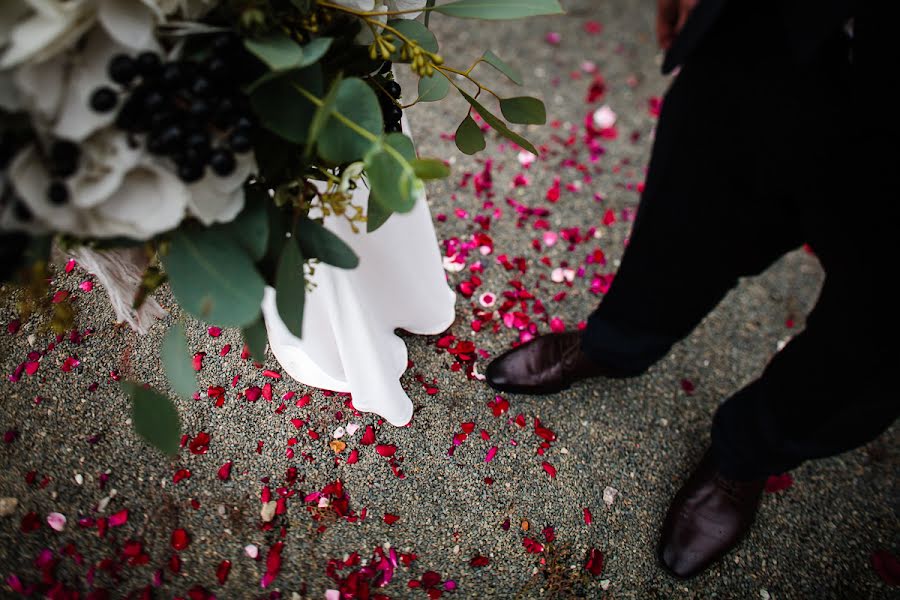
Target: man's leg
column 703, row 222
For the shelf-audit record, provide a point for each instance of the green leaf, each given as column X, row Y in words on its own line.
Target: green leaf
column 213, row 278
column 433, row 88
column 251, row 227
column 281, row 53
column 524, row 110
column 469, row 137
column 323, row 113
column 500, row 9
column 391, row 176
column 256, row 338
column 356, row 101
column 318, row 242
column 496, row 62
column 290, row 287
column 428, row 5
column 154, row 417
column 176, row 360
column 499, row 125
column 376, row 214
column 430, row 168
column 415, row 31
column 282, row 109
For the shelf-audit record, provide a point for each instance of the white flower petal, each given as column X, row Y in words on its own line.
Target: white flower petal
column 56, row 521
column 41, row 88
column 105, row 159
column 10, row 99
column 217, row 199
column 150, row 200
column 129, row 22
column 366, row 5
column 30, row 180
column 76, row 120
column 407, row 5
column 42, row 36
column 13, row 12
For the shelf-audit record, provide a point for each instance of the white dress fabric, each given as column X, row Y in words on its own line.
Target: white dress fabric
column 348, row 342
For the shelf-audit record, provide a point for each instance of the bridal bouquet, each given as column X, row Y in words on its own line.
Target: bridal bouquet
column 190, row 141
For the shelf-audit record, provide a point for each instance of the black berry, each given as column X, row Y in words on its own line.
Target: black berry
column 222, row 162
column 393, row 127
column 392, row 113
column 149, row 65
column 393, row 88
column 240, row 141
column 58, row 193
column 104, row 99
column 122, row 69
column 189, row 173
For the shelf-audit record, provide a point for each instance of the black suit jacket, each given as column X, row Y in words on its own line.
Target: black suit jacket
column 804, row 24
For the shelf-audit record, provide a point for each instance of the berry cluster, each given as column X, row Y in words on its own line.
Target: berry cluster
column 192, row 112
column 389, row 106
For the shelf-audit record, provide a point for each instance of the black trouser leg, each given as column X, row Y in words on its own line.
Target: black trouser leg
column 703, row 222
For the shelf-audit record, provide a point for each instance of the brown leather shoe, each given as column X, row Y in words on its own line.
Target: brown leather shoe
column 707, row 518
column 545, row 365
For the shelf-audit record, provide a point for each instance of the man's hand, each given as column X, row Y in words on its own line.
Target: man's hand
column 671, row 16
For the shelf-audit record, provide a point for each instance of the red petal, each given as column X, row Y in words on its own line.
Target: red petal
column 551, row 470
column 480, row 561
column 778, row 483
column 225, row 471
column 198, row 360
column 594, row 564
column 222, row 571
column 390, row 519
column 354, row 457
column 368, row 436
column 886, row 566
column 180, row 539
column 214, row 331
column 386, row 449
column 532, row 546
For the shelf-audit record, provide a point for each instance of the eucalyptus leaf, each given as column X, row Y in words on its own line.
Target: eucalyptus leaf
column 176, row 359
column 282, row 109
column 499, row 9
column 290, row 287
column 430, row 168
column 251, row 227
column 376, row 213
column 391, row 175
column 496, row 62
column 469, row 137
column 524, row 110
column 355, row 101
column 323, row 113
column 213, row 278
column 154, row 417
column 318, row 242
column 498, row 124
column 415, row 31
column 256, row 338
column 433, row 88
column 281, row 53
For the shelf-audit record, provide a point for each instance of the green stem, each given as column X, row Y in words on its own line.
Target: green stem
column 353, row 126
column 372, row 13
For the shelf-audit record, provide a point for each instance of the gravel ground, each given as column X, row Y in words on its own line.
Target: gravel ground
column 621, row 448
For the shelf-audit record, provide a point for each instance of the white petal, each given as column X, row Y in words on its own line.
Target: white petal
column 13, row 12
column 76, row 120
column 407, row 5
column 366, row 5
column 30, row 180
column 10, row 99
column 42, row 36
column 217, row 199
column 151, row 200
column 41, row 87
column 129, row 22
column 105, row 159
